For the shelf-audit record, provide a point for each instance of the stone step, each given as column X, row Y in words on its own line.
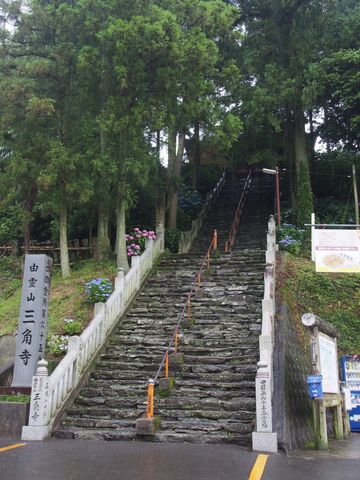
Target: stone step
column 213, row 400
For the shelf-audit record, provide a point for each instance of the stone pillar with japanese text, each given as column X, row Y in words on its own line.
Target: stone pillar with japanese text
column 31, row 336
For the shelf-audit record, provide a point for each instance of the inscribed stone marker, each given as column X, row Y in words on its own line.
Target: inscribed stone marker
column 31, row 337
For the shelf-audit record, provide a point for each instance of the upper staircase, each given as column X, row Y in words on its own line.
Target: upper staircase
column 214, row 395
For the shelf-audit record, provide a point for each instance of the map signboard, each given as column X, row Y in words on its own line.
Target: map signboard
column 328, row 364
column 337, row 251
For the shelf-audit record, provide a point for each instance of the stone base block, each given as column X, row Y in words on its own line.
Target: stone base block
column 35, row 433
column 147, row 426
column 166, row 385
column 264, row 442
column 13, row 416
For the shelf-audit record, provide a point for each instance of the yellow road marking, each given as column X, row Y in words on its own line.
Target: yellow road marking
column 11, row 447
column 259, row 467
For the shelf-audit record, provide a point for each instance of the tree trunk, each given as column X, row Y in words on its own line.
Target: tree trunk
column 196, row 156
column 289, row 149
column 103, row 247
column 64, row 252
column 175, row 172
column 121, row 251
column 304, row 194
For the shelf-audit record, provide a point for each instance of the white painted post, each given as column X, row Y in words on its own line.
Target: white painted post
column 264, row 439
column 313, row 237
column 120, row 280
column 98, row 308
column 38, row 428
column 74, row 344
column 135, row 264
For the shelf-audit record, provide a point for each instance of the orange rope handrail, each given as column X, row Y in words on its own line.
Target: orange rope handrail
column 235, row 225
column 175, row 337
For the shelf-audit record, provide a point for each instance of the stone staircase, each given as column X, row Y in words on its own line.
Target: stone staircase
column 214, row 395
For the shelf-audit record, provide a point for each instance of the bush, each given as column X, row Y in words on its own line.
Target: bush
column 135, row 241
column 172, row 237
column 290, row 238
column 99, row 290
column 72, row 327
column 10, row 267
column 57, row 344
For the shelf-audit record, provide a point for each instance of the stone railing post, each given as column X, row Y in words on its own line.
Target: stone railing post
column 264, row 439
column 74, row 345
column 38, row 428
column 135, row 263
column 120, row 280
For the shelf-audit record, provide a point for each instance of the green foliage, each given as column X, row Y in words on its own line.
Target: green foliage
column 72, row 327
column 304, row 207
column 172, row 237
column 57, row 345
column 333, row 297
column 10, row 267
column 15, row 398
column 11, row 224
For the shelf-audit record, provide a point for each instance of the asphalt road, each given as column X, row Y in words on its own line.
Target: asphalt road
column 98, row 460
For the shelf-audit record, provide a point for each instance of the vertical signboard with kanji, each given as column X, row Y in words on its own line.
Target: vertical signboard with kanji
column 31, row 337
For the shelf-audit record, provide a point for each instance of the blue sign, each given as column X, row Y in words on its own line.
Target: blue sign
column 354, row 413
column 315, row 386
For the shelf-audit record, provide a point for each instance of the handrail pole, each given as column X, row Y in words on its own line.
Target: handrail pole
column 150, row 400
column 236, row 222
column 167, row 364
column 176, row 341
column 189, row 309
column 215, row 240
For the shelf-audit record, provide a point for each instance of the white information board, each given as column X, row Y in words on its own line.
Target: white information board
column 328, row 364
column 337, row 251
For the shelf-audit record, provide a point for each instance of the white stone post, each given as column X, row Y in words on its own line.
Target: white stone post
column 99, row 307
column 264, row 439
column 74, row 345
column 120, row 280
column 135, row 263
column 38, row 428
column 313, row 237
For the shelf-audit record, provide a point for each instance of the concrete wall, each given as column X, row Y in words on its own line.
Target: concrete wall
column 292, row 406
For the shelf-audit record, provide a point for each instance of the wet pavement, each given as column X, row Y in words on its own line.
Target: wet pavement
column 98, row 460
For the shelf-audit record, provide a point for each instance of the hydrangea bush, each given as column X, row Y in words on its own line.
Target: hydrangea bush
column 290, row 238
column 135, row 241
column 98, row 290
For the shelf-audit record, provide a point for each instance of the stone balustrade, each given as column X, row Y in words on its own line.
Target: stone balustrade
column 51, row 393
column 264, row 439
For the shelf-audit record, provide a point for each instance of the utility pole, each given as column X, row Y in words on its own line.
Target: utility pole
column 356, row 198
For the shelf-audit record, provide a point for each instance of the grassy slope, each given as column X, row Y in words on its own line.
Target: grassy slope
column 67, row 297
column 333, row 297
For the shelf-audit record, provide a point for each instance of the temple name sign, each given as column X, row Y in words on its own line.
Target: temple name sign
column 31, row 336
